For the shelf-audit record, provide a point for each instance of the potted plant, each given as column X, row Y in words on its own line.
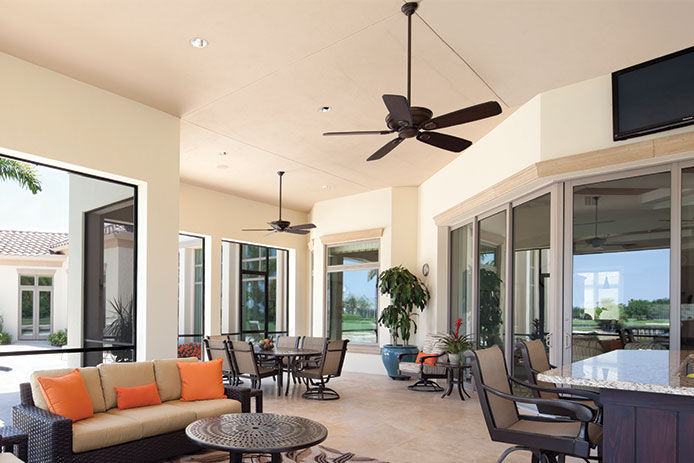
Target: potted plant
column 407, row 293
column 455, row 343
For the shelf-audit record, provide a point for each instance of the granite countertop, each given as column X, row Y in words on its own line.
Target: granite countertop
column 633, row 370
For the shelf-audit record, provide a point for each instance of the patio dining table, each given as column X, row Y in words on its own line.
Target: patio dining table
column 292, row 355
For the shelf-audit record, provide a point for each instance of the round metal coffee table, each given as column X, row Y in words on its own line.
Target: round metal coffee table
column 241, row 433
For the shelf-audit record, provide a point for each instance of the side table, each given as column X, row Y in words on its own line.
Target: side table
column 15, row 441
column 454, row 376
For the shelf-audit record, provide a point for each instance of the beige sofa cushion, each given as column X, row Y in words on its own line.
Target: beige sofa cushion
column 104, row 430
column 168, row 377
column 205, row 408
column 92, row 381
column 157, row 419
column 126, row 374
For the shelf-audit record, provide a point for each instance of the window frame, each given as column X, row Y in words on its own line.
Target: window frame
column 346, row 268
column 202, row 282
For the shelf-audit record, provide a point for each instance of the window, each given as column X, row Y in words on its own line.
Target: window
column 352, row 303
column 621, row 264
column 531, row 277
column 461, row 277
column 36, row 306
column 191, row 295
column 71, row 271
column 492, row 273
column 255, row 299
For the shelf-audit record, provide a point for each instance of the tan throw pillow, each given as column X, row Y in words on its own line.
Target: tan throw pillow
column 169, row 378
column 126, row 374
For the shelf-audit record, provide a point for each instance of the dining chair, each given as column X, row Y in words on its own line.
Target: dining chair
column 247, row 363
column 315, row 343
column 573, row 432
column 330, row 366
column 287, row 342
column 216, row 347
column 536, row 361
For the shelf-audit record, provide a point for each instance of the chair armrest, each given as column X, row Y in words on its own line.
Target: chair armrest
column 50, row 435
column 243, row 395
column 570, row 394
column 582, row 412
column 401, row 356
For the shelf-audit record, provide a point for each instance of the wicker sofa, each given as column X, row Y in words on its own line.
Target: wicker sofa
column 151, row 433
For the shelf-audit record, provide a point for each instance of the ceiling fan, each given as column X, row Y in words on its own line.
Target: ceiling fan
column 284, row 226
column 416, row 121
column 596, row 241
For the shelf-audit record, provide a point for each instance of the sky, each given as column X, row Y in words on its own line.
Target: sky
column 45, row 211
column 631, row 275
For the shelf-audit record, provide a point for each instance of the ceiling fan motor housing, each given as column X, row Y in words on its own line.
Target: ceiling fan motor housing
column 280, row 224
column 419, row 116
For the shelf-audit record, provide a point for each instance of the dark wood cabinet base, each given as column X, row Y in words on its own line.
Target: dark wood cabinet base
column 643, row 427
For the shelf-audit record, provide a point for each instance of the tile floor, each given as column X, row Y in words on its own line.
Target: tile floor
column 380, row 418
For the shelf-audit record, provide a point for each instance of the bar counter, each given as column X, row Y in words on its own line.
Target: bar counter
column 648, row 404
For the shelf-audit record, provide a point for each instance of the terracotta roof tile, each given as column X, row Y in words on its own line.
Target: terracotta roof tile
column 29, row 243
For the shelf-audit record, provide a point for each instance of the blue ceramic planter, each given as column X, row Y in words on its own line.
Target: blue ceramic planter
column 389, row 355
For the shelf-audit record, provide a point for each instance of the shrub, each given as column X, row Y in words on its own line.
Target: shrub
column 5, row 338
column 57, row 339
column 189, row 349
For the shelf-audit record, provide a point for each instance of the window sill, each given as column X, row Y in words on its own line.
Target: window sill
column 373, row 349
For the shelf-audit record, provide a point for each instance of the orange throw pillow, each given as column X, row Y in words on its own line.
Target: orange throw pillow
column 67, row 396
column 201, row 380
column 137, row 396
column 431, row 361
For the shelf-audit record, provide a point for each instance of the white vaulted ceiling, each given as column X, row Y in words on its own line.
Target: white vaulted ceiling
column 256, row 89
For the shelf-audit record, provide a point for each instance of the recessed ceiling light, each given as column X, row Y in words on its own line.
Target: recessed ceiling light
column 324, row 109
column 324, row 187
column 222, row 166
column 198, row 42
column 223, row 153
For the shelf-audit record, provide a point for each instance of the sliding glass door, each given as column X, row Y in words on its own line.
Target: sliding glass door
column 492, row 280
column 621, row 265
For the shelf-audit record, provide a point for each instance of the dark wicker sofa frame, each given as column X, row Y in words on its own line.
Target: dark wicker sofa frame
column 50, row 435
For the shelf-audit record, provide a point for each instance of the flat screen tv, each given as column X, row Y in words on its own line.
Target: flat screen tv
column 653, row 96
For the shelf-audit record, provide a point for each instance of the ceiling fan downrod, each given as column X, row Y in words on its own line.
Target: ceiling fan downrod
column 408, row 9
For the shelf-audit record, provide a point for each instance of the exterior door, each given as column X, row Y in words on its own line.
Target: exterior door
column 36, row 306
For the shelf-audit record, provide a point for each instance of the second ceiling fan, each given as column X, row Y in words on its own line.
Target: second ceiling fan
column 416, row 121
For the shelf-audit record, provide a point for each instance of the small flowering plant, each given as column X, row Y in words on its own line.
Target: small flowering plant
column 189, row 349
column 455, row 342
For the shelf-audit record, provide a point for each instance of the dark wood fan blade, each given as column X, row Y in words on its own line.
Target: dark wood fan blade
column 258, row 229
column 399, row 109
column 303, row 226
column 360, row 132
column 385, row 149
column 461, row 116
column 296, row 232
column 441, row 140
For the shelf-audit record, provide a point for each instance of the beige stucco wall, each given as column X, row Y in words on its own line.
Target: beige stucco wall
column 46, row 116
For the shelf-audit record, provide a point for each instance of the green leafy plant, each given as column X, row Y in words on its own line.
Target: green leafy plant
column 23, row 173
column 455, row 342
column 5, row 337
column 490, row 308
column 121, row 329
column 406, row 293
column 57, row 339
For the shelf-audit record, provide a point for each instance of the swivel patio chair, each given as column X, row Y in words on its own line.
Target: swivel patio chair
column 246, row 363
column 535, row 360
column 426, row 372
column 549, row 439
column 215, row 347
column 330, row 366
column 316, row 343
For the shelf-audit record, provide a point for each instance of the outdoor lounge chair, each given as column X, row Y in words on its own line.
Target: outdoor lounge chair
column 426, row 373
